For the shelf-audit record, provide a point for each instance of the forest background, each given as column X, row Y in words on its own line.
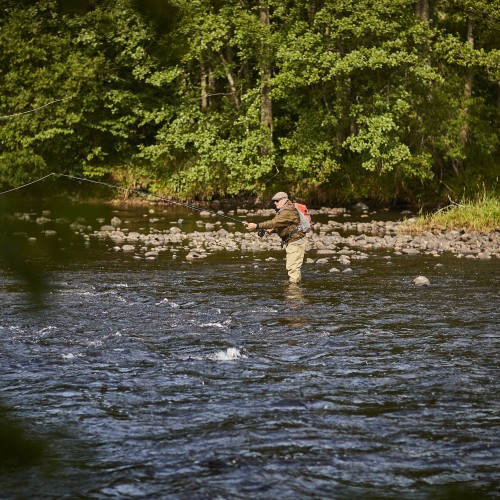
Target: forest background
column 332, row 100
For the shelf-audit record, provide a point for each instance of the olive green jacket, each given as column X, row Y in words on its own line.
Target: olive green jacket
column 285, row 223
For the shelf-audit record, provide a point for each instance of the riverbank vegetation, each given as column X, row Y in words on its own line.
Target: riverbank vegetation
column 333, row 101
column 482, row 214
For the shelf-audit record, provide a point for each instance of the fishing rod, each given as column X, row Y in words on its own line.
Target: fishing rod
column 141, row 193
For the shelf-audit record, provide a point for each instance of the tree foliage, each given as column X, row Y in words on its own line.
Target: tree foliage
column 394, row 99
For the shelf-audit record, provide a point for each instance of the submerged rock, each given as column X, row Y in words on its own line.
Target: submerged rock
column 42, row 220
column 195, row 255
column 421, row 281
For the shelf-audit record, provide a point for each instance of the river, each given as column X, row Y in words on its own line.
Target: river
column 215, row 379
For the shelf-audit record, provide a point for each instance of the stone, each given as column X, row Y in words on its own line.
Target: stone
column 115, row 222
column 322, row 261
column 77, row 227
column 133, row 236
column 421, row 281
column 194, row 255
column 361, row 206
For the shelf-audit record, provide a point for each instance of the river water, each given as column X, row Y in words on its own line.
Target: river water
column 216, row 379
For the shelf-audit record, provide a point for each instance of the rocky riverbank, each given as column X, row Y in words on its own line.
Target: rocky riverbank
column 337, row 241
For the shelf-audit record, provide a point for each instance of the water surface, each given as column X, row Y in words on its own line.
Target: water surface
column 216, row 379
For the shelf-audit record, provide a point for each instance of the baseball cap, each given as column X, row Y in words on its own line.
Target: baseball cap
column 279, row 196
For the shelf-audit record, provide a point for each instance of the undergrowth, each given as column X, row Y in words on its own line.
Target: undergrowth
column 482, row 214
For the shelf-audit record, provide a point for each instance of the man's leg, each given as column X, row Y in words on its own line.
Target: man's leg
column 294, row 258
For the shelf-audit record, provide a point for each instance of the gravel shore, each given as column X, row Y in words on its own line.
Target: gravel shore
column 330, row 241
column 338, row 240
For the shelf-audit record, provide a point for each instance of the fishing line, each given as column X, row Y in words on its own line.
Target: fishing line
column 141, row 193
column 29, row 184
column 35, row 109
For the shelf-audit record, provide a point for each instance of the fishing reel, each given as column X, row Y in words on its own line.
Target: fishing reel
column 261, row 233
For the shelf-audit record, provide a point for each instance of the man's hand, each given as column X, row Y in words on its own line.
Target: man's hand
column 251, row 226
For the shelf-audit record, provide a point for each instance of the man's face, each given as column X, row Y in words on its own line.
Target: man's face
column 279, row 203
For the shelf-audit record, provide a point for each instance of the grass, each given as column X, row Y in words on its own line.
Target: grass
column 482, row 215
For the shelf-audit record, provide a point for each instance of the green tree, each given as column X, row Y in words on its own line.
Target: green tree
column 96, row 59
column 219, row 139
column 468, row 57
column 395, row 99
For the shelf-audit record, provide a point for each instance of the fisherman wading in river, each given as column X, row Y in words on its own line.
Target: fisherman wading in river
column 287, row 224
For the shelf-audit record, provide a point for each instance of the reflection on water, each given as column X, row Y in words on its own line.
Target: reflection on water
column 294, row 295
column 296, row 306
column 164, row 379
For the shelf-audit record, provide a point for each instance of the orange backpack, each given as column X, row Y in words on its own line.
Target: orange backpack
column 305, row 218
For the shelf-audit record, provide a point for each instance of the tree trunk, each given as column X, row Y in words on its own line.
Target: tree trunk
column 230, row 80
column 266, row 106
column 422, row 10
column 211, row 84
column 203, row 84
column 469, row 80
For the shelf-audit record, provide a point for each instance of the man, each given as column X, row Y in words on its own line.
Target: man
column 285, row 224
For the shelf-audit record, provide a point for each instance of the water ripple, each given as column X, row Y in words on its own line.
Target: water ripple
column 152, row 382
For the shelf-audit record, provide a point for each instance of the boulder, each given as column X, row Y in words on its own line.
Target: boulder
column 344, row 260
column 360, row 206
column 421, row 281
column 322, row 261
column 115, row 222
column 195, row 255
